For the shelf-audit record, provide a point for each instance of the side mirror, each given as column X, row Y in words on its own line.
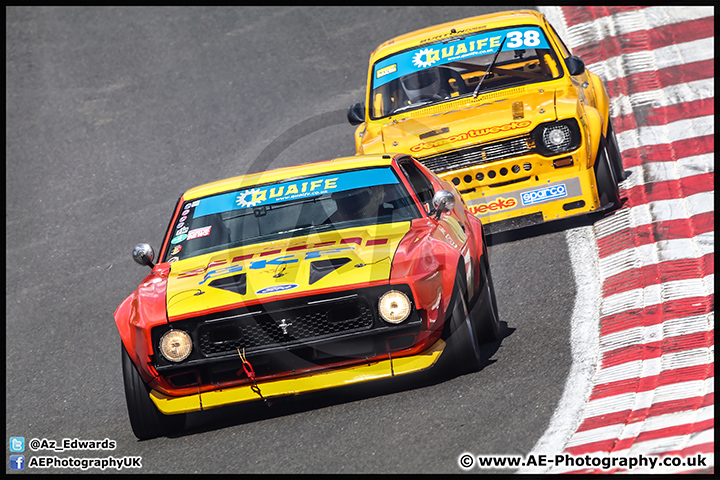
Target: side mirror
column 356, row 114
column 575, row 65
column 443, row 201
column 144, row 254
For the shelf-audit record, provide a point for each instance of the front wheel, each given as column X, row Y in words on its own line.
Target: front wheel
column 463, row 340
column 614, row 153
column 489, row 328
column 145, row 419
column 607, row 184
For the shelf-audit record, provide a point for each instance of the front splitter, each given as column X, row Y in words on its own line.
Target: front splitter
column 301, row 384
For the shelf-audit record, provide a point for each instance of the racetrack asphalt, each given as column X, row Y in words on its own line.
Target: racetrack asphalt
column 111, row 113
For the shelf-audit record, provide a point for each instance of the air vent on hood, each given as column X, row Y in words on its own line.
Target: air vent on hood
column 235, row 284
column 432, row 133
column 320, row 268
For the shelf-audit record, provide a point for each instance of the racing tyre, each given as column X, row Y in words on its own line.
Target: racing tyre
column 606, row 182
column 489, row 328
column 463, row 340
column 614, row 153
column 145, row 419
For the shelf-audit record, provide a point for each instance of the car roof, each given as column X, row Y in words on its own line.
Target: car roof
column 435, row 33
column 288, row 173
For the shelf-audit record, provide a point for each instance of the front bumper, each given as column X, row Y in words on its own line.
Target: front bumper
column 527, row 198
column 300, row 384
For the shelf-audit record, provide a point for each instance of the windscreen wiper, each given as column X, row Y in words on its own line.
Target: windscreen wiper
column 477, row 89
column 412, row 105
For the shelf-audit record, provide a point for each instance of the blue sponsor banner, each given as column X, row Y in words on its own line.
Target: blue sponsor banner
column 485, row 43
column 305, row 188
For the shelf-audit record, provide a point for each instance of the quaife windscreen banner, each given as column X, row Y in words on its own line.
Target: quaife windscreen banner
column 293, row 190
column 486, row 43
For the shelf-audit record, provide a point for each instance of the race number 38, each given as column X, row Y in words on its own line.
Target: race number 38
column 528, row 38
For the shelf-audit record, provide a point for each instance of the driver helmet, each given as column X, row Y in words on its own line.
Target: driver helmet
column 351, row 201
column 422, row 84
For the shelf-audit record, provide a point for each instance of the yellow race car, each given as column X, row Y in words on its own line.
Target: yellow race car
column 301, row 279
column 497, row 105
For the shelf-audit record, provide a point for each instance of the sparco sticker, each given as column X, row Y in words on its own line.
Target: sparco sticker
column 544, row 194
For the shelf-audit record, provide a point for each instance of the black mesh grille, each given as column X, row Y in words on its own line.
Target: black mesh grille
column 318, row 328
column 283, row 328
column 479, row 154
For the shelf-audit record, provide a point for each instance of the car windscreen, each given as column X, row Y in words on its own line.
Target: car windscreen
column 288, row 209
column 444, row 71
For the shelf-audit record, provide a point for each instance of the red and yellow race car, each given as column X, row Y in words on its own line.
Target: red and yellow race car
column 301, row 279
column 497, row 105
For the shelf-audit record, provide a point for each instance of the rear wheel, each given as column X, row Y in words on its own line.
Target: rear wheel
column 606, row 181
column 145, row 419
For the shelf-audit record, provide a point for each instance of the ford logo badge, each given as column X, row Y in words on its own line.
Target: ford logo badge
column 276, row 288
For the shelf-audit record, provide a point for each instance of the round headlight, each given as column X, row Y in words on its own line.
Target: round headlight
column 175, row 345
column 557, row 138
column 394, row 306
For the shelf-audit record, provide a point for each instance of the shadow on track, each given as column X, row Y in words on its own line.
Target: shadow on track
column 235, row 415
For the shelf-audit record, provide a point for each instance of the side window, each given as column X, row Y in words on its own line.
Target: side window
column 564, row 50
column 419, row 182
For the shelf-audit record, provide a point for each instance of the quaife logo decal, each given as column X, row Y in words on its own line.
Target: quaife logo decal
column 425, row 58
column 544, row 194
column 276, row 288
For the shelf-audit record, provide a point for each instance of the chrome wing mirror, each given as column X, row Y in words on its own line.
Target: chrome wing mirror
column 144, row 254
column 443, row 201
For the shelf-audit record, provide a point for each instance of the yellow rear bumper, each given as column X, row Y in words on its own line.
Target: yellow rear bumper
column 301, row 384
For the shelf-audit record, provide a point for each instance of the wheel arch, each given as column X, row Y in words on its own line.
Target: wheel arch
column 602, row 100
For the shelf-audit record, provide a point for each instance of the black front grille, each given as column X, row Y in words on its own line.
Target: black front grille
column 479, row 154
column 286, row 334
column 284, row 328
